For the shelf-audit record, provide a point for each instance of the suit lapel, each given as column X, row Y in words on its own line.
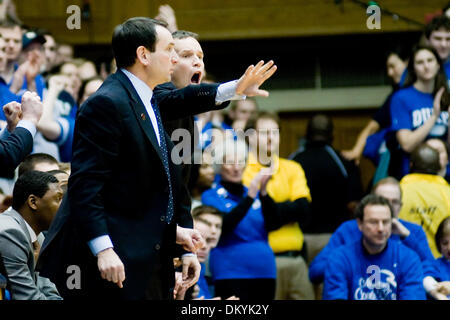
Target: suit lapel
column 140, row 113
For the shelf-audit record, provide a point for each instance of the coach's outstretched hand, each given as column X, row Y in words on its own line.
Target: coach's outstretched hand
column 254, row 77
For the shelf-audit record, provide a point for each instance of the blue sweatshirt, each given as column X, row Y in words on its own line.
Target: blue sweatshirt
column 244, row 253
column 394, row 274
column 439, row 269
column 348, row 232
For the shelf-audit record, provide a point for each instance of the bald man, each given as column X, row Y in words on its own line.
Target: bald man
column 426, row 195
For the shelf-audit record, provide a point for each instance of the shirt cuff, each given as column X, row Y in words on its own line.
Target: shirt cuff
column 227, row 91
column 429, row 283
column 26, row 124
column 99, row 244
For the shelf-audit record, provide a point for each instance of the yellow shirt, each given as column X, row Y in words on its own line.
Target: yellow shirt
column 288, row 183
column 426, row 202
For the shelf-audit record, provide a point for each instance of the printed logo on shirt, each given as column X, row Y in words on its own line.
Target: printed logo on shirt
column 425, row 214
column 420, row 116
column 380, row 285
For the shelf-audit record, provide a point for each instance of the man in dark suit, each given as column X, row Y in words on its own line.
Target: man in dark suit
column 187, row 79
column 123, row 214
column 120, row 221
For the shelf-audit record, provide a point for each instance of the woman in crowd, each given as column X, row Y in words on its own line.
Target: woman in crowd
column 243, row 264
column 437, row 274
column 416, row 110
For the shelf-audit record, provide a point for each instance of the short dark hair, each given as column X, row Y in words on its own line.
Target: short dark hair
column 182, row 34
column 252, row 122
column 425, row 159
column 31, row 182
column 31, row 160
column 130, row 35
column 437, row 23
column 198, row 211
column 320, row 128
column 400, row 51
column 442, row 231
column 371, row 200
column 54, row 172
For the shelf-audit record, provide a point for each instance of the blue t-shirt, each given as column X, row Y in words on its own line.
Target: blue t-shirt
column 244, row 253
column 394, row 274
column 438, row 269
column 410, row 109
column 348, row 232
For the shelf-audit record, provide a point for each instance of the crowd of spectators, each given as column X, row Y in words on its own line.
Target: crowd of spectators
column 300, row 228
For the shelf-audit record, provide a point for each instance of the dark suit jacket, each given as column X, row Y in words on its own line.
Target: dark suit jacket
column 118, row 187
column 13, row 150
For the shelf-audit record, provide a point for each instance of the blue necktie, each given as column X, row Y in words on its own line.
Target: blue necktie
column 165, row 157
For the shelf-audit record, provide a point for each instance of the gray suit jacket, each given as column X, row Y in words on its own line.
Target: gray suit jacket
column 18, row 258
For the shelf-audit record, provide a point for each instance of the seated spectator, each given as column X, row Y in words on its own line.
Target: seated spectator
column 70, row 70
column 240, row 111
column 6, row 96
column 89, row 87
column 334, row 183
column 87, row 70
column 409, row 234
column 425, row 194
column 416, row 110
column 58, row 118
column 38, row 162
column 11, row 33
column 439, row 145
column 30, row 63
column 50, row 47
column 36, row 198
column 208, row 221
column 436, row 32
column 374, row 267
column 437, row 275
column 291, row 203
column 64, row 53
column 63, row 178
column 242, row 264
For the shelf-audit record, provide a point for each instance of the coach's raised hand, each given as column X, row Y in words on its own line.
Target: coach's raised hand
column 254, row 77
